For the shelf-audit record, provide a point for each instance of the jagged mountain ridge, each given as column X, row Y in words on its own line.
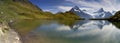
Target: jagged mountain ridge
column 80, row 13
column 100, row 14
column 24, row 9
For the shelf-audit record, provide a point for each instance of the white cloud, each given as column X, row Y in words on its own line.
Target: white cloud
column 108, row 5
column 51, row 10
column 48, row 10
column 60, row 8
column 64, row 8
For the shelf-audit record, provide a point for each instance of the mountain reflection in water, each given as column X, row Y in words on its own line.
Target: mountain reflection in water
column 76, row 32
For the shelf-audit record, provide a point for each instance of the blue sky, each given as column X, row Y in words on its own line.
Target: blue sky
column 66, row 5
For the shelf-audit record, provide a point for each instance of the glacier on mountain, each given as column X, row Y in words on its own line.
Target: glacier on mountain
column 99, row 14
column 80, row 13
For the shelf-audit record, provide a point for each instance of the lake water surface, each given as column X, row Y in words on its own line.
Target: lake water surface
column 79, row 31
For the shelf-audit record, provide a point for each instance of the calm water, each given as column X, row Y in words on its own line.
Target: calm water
column 73, row 32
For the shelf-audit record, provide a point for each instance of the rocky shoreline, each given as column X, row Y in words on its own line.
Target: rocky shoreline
column 8, row 35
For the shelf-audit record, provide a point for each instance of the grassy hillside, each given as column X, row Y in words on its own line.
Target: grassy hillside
column 116, row 17
column 23, row 9
column 20, row 9
column 66, row 16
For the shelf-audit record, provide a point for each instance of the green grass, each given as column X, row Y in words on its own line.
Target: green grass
column 23, row 9
column 66, row 16
column 19, row 10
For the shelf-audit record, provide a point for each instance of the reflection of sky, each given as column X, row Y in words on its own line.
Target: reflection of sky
column 86, row 32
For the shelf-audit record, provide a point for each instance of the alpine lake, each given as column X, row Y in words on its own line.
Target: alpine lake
column 67, row 31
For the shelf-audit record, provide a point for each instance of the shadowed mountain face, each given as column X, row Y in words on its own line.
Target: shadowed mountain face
column 80, row 13
column 116, row 17
column 100, row 10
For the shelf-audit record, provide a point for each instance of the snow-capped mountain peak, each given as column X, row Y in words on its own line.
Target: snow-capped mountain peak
column 113, row 12
column 76, row 8
column 101, row 13
column 101, row 10
column 80, row 13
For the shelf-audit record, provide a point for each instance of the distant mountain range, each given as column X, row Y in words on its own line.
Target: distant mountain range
column 24, row 9
column 80, row 13
column 101, row 13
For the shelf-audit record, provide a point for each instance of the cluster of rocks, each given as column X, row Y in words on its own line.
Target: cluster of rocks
column 8, row 35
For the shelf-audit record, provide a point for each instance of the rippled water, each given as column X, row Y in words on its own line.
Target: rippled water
column 76, row 32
